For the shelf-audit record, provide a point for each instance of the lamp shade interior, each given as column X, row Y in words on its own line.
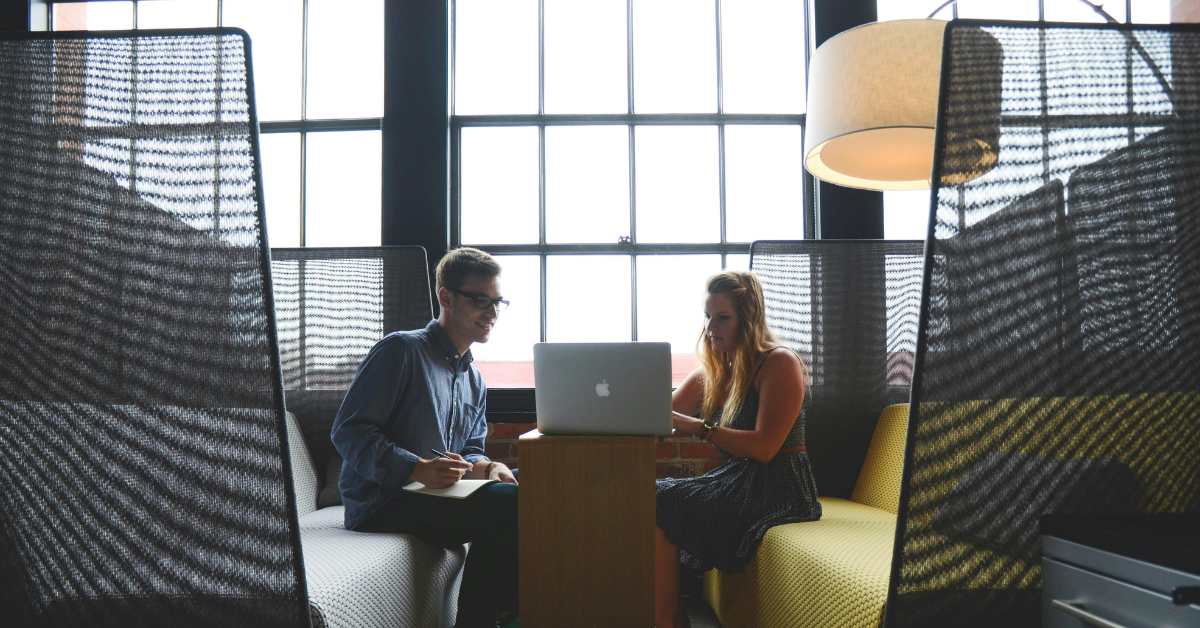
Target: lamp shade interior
column 888, row 159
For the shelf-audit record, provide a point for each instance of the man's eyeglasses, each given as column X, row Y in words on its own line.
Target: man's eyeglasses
column 482, row 301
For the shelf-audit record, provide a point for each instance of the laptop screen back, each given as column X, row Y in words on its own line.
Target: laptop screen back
column 606, row 388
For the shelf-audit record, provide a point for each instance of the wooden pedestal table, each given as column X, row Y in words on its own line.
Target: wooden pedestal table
column 587, row 531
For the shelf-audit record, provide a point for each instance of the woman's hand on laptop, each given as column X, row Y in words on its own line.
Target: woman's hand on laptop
column 501, row 472
column 687, row 425
column 440, row 472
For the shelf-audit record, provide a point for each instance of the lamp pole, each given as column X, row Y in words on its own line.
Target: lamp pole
column 1137, row 45
column 1095, row 7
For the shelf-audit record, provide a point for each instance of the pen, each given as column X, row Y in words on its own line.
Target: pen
column 438, row 453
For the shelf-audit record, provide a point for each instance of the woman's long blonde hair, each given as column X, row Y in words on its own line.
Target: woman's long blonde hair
column 745, row 293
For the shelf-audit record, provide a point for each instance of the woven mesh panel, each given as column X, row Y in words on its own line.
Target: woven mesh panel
column 850, row 309
column 142, row 447
column 1057, row 366
column 332, row 305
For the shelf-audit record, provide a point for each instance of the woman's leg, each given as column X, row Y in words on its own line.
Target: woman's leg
column 668, row 607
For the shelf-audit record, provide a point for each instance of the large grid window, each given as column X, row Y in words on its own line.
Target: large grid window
column 612, row 154
column 906, row 213
column 319, row 98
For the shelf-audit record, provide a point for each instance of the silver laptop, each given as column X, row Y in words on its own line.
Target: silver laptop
column 606, row 388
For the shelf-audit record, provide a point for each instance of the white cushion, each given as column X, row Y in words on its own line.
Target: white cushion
column 304, row 474
column 367, row 580
column 332, row 517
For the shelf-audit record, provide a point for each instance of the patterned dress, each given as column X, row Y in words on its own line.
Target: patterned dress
column 719, row 518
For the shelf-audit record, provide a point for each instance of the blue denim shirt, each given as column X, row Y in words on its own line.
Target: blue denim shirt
column 412, row 393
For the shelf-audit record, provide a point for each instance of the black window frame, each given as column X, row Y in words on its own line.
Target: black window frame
column 633, row 249
column 303, row 126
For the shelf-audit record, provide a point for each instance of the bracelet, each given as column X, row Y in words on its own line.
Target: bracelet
column 488, row 471
column 705, row 428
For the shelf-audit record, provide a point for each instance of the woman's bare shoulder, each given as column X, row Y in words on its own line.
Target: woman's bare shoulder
column 781, row 362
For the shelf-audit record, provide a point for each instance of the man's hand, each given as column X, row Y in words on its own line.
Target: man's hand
column 440, row 472
column 502, row 473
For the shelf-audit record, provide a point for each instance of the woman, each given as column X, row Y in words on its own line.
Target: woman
column 749, row 393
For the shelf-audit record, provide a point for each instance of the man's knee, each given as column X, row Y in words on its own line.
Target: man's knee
column 496, row 504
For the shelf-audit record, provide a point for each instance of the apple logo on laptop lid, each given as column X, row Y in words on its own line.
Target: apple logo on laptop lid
column 602, row 388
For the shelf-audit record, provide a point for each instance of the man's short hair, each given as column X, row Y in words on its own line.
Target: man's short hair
column 457, row 264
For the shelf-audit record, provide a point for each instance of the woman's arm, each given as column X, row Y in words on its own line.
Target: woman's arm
column 686, row 402
column 780, row 394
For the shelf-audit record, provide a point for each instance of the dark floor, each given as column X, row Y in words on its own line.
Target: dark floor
column 699, row 612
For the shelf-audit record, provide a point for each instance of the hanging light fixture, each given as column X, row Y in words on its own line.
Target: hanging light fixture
column 872, row 109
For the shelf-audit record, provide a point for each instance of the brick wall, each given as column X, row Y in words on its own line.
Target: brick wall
column 677, row 457
column 1185, row 10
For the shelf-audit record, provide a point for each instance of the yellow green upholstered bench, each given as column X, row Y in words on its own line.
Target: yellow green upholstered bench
column 829, row 573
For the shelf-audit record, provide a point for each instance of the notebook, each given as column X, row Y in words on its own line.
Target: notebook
column 611, row 388
column 459, row 490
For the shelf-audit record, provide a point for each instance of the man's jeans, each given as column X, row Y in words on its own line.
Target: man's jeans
column 488, row 520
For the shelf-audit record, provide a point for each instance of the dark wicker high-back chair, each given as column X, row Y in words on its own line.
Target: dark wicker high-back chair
column 850, row 309
column 143, row 454
column 1057, row 365
column 332, row 306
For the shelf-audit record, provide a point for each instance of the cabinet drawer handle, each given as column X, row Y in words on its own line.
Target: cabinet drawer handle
column 1084, row 616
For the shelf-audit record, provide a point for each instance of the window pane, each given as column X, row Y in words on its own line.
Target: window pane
column 499, row 189
column 678, row 186
column 281, row 187
column 1149, row 11
column 587, row 183
column 495, row 56
column 1008, row 10
column 587, row 298
column 342, row 187
column 911, row 9
column 763, row 188
column 585, row 46
column 506, row 360
column 93, row 16
column 737, row 261
column 345, row 59
column 763, row 56
column 177, row 14
column 674, row 56
column 905, row 214
column 276, row 28
column 671, row 304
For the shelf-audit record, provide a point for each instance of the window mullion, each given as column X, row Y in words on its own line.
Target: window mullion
column 721, row 176
column 633, row 319
column 632, row 170
column 720, row 64
column 542, row 162
column 303, row 182
column 303, row 117
column 542, row 275
column 629, row 53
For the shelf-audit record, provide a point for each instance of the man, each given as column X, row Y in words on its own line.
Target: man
column 415, row 392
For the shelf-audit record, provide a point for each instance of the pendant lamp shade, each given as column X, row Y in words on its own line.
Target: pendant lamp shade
column 872, row 109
